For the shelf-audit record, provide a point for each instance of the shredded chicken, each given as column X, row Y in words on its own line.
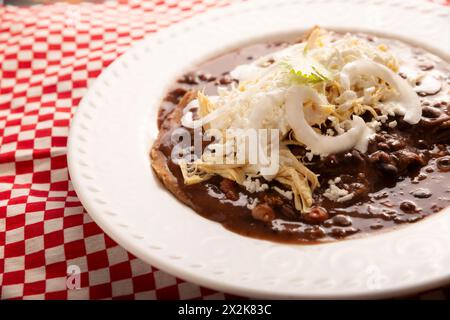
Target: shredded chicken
column 338, row 102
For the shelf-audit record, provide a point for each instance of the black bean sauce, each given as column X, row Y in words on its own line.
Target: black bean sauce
column 402, row 178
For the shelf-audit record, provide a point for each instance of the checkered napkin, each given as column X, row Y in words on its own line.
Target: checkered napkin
column 49, row 246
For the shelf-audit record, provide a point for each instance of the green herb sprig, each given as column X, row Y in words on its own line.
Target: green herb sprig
column 307, row 78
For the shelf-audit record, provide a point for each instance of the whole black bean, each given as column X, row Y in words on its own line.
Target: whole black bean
column 383, row 146
column 421, row 193
column 429, row 169
column 408, row 206
column 431, row 112
column 443, row 164
column 376, row 226
column 342, row 221
column 225, row 80
column 189, row 78
column 388, row 168
column 206, row 77
column 339, row 232
column 314, row 232
column 422, row 144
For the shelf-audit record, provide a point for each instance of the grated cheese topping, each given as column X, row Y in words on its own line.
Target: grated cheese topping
column 255, row 185
column 334, row 193
column 308, row 84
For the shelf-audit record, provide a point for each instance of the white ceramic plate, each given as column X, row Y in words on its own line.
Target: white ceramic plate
column 115, row 126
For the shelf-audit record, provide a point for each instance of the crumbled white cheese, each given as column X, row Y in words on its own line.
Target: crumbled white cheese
column 346, row 99
column 285, row 193
column 309, row 156
column 382, row 118
column 255, row 185
column 334, row 193
column 392, row 124
column 252, row 204
column 280, row 225
column 374, row 124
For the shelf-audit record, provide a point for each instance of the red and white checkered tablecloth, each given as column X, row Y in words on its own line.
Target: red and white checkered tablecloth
column 49, row 55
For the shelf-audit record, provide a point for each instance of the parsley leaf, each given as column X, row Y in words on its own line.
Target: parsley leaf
column 306, row 71
column 307, row 78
